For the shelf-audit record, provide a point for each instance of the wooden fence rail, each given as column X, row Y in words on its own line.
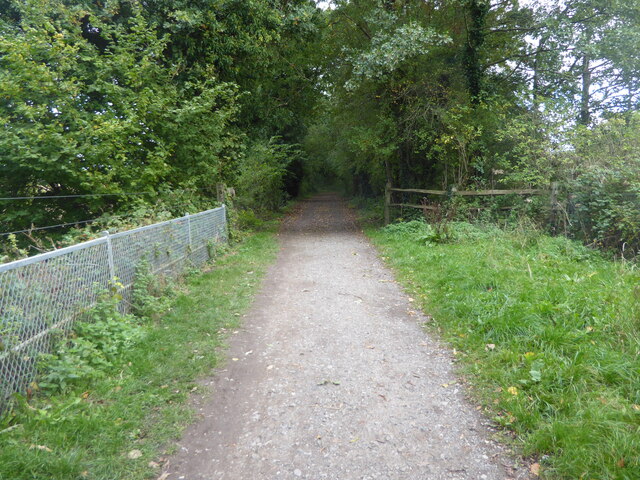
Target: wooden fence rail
column 465, row 193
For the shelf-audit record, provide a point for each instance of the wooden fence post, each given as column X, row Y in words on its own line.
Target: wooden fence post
column 553, row 200
column 387, row 203
column 221, row 191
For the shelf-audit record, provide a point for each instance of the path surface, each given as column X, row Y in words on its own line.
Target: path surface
column 331, row 376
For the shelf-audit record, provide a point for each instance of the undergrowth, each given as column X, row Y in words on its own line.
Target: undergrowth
column 113, row 394
column 548, row 333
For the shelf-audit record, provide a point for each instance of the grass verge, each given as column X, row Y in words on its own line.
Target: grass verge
column 547, row 332
column 119, row 425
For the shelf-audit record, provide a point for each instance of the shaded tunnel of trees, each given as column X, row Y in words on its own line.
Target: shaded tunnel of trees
column 166, row 99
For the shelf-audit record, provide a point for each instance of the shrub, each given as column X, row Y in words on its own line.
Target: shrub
column 96, row 346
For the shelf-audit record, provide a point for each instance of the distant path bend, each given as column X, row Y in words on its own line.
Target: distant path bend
column 331, row 376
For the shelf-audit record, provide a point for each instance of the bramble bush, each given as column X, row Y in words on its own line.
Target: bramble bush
column 603, row 186
column 96, row 346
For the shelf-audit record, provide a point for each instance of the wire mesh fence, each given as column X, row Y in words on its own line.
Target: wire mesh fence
column 48, row 292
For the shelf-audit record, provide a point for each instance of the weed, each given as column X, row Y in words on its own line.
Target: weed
column 152, row 294
column 96, row 346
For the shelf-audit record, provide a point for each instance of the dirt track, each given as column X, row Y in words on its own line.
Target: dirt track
column 331, row 376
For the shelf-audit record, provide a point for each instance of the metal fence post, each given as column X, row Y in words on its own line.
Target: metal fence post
column 225, row 227
column 112, row 266
column 188, row 217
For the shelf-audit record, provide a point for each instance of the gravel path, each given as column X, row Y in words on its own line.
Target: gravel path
column 331, row 376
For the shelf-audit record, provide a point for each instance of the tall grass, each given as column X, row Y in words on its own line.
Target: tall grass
column 547, row 331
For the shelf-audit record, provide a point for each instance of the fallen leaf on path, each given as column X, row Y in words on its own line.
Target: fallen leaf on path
column 133, row 454
column 327, row 382
column 535, row 469
column 249, row 352
column 370, row 347
column 270, row 367
column 40, row 447
column 235, row 359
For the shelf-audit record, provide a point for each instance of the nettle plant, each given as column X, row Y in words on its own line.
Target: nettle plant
column 97, row 345
column 152, row 294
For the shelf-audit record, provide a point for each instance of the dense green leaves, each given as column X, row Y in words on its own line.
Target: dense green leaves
column 115, row 98
column 479, row 95
column 179, row 95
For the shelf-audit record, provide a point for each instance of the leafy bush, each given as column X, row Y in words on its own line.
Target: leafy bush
column 97, row 345
column 152, row 294
column 602, row 186
column 605, row 208
column 262, row 175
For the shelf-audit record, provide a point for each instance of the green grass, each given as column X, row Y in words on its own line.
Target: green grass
column 88, row 433
column 547, row 332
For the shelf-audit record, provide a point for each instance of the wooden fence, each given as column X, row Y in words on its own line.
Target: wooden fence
column 388, row 196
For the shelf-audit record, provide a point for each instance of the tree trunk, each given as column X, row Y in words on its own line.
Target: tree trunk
column 536, row 72
column 478, row 10
column 585, row 100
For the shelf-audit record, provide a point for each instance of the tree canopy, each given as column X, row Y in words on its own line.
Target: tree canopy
column 171, row 97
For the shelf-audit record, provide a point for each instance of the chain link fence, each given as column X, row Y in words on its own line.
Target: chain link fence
column 48, row 292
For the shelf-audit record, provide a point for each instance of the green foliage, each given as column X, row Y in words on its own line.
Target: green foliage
column 481, row 95
column 606, row 211
column 604, row 184
column 151, row 294
column 107, row 99
column 547, row 333
column 10, row 250
column 262, row 175
column 389, row 50
column 98, row 344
